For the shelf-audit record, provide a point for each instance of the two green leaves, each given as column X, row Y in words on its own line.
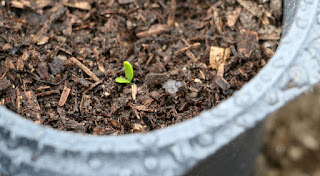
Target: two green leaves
column 128, row 73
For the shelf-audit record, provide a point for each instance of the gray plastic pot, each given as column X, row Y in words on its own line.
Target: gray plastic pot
column 222, row 141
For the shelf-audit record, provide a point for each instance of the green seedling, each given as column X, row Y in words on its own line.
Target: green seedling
column 128, row 73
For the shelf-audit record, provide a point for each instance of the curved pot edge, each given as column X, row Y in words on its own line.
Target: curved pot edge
column 217, row 121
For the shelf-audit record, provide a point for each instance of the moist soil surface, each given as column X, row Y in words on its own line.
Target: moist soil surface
column 59, row 59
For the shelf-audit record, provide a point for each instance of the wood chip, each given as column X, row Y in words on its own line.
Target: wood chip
column 218, row 56
column 20, row 4
column 134, row 90
column 137, row 128
column 33, row 105
column 252, row 7
column 153, row 30
column 233, row 16
column 8, row 63
column 41, row 39
column 268, row 52
column 64, row 96
column 84, row 68
column 4, row 83
column 83, row 5
column 20, row 64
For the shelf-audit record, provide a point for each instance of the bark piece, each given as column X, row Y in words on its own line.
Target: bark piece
column 217, row 21
column 153, row 79
column 32, row 106
column 248, row 44
column 4, row 83
column 64, row 96
column 219, row 80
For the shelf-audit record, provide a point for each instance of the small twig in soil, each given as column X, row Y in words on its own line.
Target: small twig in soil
column 172, row 13
column 4, row 74
column 18, row 102
column 217, row 20
column 233, row 17
column 144, row 108
column 43, row 94
column 153, row 30
column 92, row 86
column 269, row 37
column 84, row 68
column 136, row 113
column 192, row 46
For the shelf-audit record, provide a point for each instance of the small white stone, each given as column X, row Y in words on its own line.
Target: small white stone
column 172, row 86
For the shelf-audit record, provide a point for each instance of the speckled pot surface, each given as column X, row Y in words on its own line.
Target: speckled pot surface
column 221, row 141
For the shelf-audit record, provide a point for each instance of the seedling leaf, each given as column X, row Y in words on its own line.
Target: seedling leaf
column 128, row 71
column 122, row 80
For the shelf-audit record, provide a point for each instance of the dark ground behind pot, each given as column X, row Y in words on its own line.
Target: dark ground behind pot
column 221, row 141
column 236, row 158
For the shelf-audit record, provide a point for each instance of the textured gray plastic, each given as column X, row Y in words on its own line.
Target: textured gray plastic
column 221, row 141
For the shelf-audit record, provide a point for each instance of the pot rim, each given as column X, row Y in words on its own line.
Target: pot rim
column 243, row 107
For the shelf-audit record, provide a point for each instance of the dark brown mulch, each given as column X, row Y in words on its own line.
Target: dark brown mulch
column 59, row 59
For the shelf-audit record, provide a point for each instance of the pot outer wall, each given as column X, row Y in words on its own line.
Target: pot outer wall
column 221, row 141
